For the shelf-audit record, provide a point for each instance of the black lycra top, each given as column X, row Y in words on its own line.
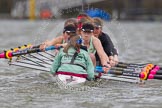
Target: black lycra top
column 107, row 44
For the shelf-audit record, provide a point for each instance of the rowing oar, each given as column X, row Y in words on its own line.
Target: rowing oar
column 136, row 64
column 148, row 67
column 153, row 69
column 132, row 65
column 10, row 54
column 144, row 75
column 126, row 65
column 25, row 46
column 22, row 47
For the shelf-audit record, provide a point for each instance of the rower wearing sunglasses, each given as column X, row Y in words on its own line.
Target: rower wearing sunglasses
column 70, row 27
column 94, row 45
column 106, row 42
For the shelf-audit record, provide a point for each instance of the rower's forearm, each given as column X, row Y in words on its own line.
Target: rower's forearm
column 104, row 60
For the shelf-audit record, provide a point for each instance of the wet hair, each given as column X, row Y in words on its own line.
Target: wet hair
column 75, row 42
column 71, row 21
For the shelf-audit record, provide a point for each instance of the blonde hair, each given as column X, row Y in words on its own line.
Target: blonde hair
column 85, row 19
column 98, row 20
column 72, row 21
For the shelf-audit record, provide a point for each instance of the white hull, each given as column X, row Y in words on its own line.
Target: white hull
column 71, row 80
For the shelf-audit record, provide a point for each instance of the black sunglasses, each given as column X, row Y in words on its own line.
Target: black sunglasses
column 69, row 32
column 97, row 28
column 87, row 31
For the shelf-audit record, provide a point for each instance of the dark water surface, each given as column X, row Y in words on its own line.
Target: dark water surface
column 27, row 88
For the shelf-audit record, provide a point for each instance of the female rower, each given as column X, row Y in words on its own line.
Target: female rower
column 72, row 63
column 105, row 41
column 81, row 18
column 94, row 45
column 70, row 27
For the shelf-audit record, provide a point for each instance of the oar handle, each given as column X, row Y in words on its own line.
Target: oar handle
column 52, row 48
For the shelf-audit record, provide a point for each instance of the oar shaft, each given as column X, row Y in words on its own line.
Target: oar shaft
column 118, row 72
column 124, row 73
column 129, row 65
column 132, row 63
column 25, row 51
column 141, row 75
column 133, row 69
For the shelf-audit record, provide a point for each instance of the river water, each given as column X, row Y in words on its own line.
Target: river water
column 137, row 42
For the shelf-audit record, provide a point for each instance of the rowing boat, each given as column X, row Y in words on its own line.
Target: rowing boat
column 34, row 58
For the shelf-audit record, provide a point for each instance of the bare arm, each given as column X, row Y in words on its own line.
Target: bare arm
column 101, row 53
column 53, row 42
column 57, row 40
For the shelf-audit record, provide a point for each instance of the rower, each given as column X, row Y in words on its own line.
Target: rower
column 73, row 63
column 94, row 45
column 106, row 42
column 70, row 27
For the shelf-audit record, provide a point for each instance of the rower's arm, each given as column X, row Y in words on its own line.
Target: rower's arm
column 53, row 42
column 102, row 55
